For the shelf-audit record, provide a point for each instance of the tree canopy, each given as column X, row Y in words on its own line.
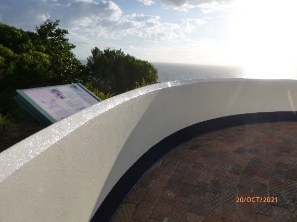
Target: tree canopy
column 45, row 57
column 112, row 71
column 35, row 59
column 65, row 67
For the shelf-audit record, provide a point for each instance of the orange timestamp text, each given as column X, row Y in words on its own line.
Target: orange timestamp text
column 256, row 199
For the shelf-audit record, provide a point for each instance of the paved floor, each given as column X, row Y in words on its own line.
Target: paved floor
column 246, row 173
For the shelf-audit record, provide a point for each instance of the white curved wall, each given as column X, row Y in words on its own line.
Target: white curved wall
column 65, row 171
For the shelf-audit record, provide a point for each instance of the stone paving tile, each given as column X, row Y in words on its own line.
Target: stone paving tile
column 220, row 176
column 153, row 193
column 168, row 196
column 263, row 218
column 169, row 168
column 203, row 179
column 187, row 189
column 194, row 218
column 264, row 173
column 136, row 195
column 261, row 180
column 191, row 176
column 236, row 169
column 229, row 214
column 125, row 213
column 152, row 220
column 198, row 205
column 161, row 210
column 260, row 189
column 162, row 179
column 157, row 168
column 264, row 209
column 142, row 211
column 247, row 212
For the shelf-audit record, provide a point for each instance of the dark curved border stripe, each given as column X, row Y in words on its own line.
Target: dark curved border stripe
column 122, row 188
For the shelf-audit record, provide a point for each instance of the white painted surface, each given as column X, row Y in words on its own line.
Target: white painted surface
column 64, row 172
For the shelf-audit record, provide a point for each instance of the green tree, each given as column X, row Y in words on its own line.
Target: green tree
column 114, row 72
column 35, row 59
column 65, row 67
column 16, row 40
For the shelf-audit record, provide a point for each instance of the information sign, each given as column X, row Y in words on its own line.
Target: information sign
column 51, row 104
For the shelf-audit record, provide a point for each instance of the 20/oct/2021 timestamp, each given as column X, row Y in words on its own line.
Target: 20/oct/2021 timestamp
column 256, row 199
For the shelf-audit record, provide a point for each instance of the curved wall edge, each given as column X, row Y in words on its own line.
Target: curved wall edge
column 67, row 170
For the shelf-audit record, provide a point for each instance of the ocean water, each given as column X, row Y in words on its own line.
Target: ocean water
column 175, row 71
column 172, row 71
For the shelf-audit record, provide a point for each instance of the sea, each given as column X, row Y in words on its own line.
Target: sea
column 175, row 71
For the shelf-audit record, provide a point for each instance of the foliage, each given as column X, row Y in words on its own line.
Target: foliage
column 114, row 72
column 44, row 58
column 4, row 124
column 102, row 95
column 8, row 129
column 35, row 59
column 65, row 67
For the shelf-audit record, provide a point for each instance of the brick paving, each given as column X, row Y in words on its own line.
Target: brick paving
column 203, row 179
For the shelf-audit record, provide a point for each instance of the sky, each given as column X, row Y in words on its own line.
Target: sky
column 253, row 33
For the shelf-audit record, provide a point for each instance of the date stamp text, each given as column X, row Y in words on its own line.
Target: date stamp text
column 256, row 199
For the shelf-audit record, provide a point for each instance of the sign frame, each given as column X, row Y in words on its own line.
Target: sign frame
column 39, row 113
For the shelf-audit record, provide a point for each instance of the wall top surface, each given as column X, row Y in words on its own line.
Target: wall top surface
column 21, row 153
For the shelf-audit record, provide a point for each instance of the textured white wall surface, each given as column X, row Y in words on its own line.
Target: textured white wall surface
column 64, row 172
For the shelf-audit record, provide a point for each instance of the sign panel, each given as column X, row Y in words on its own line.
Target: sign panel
column 51, row 104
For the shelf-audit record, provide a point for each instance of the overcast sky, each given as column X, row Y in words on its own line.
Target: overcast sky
column 177, row 31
